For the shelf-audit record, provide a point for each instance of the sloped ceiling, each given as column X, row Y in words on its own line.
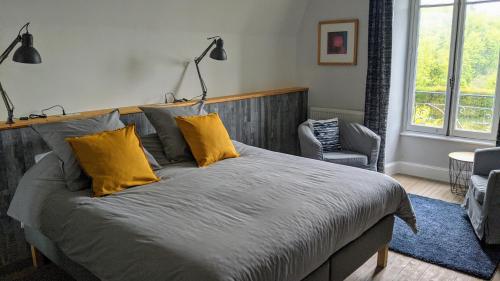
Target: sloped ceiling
column 228, row 16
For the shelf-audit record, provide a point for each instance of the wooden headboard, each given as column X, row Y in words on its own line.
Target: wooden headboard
column 136, row 109
column 266, row 119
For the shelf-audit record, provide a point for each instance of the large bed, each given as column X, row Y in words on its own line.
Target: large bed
column 262, row 216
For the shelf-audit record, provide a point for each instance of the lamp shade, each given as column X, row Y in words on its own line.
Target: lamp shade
column 26, row 53
column 218, row 53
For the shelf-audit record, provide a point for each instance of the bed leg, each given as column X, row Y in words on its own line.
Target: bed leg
column 383, row 255
column 36, row 257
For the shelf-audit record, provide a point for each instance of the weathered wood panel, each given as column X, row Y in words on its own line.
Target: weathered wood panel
column 135, row 109
column 269, row 122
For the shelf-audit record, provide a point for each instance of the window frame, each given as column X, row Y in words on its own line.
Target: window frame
column 454, row 74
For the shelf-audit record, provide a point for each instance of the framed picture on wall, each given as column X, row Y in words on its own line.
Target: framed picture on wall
column 338, row 42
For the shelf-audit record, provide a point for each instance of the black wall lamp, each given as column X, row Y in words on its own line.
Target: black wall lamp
column 218, row 53
column 24, row 54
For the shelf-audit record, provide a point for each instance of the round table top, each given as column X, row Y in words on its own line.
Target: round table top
column 462, row 156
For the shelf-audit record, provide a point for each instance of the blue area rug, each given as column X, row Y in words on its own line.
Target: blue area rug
column 445, row 238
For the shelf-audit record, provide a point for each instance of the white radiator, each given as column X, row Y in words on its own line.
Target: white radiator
column 319, row 113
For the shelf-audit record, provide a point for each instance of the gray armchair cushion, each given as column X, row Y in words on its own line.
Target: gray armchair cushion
column 491, row 208
column 486, row 160
column 482, row 201
column 357, row 142
column 358, row 138
column 349, row 158
column 485, row 217
column 310, row 147
column 478, row 184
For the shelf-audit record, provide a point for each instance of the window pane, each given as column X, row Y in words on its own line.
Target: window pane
column 472, row 1
column 432, row 66
column 479, row 67
column 435, row 2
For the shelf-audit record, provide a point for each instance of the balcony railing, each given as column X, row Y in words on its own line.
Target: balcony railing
column 475, row 111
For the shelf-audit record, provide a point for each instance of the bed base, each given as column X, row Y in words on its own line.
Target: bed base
column 36, row 257
column 339, row 266
column 43, row 248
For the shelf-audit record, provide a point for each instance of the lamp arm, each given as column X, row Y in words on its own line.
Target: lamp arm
column 7, row 51
column 6, row 99
column 8, row 104
column 202, row 83
column 198, row 59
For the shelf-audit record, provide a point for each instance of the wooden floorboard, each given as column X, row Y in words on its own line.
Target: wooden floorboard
column 401, row 267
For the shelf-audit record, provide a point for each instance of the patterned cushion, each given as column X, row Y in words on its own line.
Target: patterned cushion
column 327, row 133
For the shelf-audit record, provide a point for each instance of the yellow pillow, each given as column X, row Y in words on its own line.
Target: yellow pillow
column 207, row 138
column 114, row 160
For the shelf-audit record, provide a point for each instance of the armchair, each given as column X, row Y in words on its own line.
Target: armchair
column 482, row 201
column 360, row 146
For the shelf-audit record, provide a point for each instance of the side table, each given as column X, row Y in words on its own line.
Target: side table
column 460, row 171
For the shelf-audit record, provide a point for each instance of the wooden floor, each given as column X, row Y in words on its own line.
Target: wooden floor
column 402, row 267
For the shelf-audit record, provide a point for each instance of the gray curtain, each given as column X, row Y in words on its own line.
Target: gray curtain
column 378, row 78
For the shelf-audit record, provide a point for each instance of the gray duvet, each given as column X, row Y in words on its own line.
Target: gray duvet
column 262, row 216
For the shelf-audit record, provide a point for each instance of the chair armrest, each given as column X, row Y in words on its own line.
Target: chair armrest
column 486, row 160
column 310, row 147
column 492, row 196
column 358, row 138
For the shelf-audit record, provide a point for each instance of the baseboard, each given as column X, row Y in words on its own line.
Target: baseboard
column 392, row 168
column 417, row 170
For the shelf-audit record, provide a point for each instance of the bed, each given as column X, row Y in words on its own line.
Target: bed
column 262, row 216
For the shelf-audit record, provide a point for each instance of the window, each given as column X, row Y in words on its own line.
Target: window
column 453, row 68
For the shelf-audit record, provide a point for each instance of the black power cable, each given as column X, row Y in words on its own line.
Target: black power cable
column 43, row 115
column 54, row 106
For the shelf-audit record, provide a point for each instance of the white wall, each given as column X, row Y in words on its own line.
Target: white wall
column 396, row 97
column 100, row 54
column 432, row 152
column 333, row 86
